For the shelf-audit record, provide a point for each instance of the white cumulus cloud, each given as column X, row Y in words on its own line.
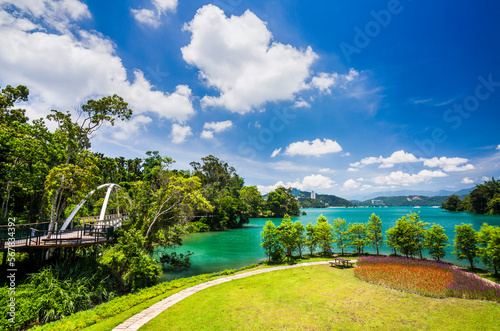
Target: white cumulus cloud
column 315, row 147
column 180, row 133
column 301, row 103
column 153, row 17
column 128, row 129
column 350, row 184
column 324, row 81
column 399, row 178
column 467, row 180
column 41, row 40
column 210, row 127
column 311, row 182
column 445, row 163
column 449, row 164
column 218, row 126
column 236, row 56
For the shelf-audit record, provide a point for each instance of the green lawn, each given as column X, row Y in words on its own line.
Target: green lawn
column 320, row 298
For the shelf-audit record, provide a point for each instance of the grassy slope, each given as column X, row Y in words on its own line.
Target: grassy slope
column 319, row 297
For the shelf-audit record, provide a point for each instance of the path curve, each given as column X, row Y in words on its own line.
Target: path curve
column 138, row 320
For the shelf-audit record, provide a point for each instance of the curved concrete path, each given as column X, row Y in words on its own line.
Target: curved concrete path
column 138, row 320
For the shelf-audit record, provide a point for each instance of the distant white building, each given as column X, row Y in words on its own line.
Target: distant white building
column 313, row 195
column 377, row 202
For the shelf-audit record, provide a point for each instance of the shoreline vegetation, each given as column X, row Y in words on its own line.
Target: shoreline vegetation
column 484, row 199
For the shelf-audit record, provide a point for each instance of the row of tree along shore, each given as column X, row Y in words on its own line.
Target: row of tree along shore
column 410, row 237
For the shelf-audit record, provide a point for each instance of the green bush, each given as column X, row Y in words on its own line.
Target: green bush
column 53, row 293
column 121, row 304
column 129, row 262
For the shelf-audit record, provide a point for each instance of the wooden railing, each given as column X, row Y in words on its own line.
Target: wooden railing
column 83, row 230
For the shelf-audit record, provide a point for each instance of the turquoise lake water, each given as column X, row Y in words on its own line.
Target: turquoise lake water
column 216, row 251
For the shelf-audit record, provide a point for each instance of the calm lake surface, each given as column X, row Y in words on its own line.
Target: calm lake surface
column 216, row 251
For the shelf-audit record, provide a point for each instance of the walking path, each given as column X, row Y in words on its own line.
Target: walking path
column 138, row 320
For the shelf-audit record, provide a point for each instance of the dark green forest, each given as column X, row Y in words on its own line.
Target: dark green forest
column 484, row 199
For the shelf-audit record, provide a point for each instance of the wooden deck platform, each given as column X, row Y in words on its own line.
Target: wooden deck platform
column 86, row 235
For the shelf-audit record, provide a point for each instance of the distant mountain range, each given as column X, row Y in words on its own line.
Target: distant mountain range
column 405, row 193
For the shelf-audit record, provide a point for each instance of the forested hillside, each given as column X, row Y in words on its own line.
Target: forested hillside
column 323, row 201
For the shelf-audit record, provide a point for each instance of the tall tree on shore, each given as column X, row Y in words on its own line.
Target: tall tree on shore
column 340, row 233
column 311, row 238
column 466, row 243
column 374, row 232
column 324, row 234
column 489, row 246
column 436, row 241
column 271, row 242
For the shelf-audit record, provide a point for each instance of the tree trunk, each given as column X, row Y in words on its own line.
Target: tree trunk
column 471, row 261
column 53, row 211
column 5, row 205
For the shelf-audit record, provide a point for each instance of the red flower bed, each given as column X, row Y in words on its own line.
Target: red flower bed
column 425, row 277
column 424, row 280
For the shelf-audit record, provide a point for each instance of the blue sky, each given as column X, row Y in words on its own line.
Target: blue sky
column 346, row 98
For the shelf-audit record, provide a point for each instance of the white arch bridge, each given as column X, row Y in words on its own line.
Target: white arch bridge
column 71, row 232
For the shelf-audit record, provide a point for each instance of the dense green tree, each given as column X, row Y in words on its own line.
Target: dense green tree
column 356, row 234
column 453, row 203
column 271, row 242
column 311, row 238
column 252, row 200
column 488, row 239
column 340, row 233
column 324, row 234
column 9, row 96
column 494, row 205
column 153, row 165
column 374, row 235
column 281, row 202
column 129, row 262
column 288, row 235
column 436, row 241
column 160, row 211
column 69, row 183
column 408, row 235
column 479, row 200
column 466, row 243
column 301, row 238
column 420, row 228
column 221, row 186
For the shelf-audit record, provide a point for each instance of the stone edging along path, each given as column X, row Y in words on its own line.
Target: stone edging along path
column 138, row 320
